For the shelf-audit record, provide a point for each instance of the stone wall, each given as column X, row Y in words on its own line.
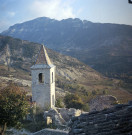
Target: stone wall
column 43, row 93
column 113, row 121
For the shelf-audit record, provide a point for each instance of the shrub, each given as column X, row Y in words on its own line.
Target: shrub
column 59, row 103
column 73, row 101
column 13, row 107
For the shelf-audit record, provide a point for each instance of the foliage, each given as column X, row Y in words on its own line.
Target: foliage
column 104, row 92
column 73, row 101
column 59, row 103
column 86, row 107
column 13, row 107
column 94, row 92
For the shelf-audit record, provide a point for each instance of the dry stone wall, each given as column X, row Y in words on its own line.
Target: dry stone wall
column 113, row 121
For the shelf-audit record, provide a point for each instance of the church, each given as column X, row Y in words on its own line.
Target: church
column 43, row 80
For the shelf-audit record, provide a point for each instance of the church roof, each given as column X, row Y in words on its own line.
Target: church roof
column 43, row 57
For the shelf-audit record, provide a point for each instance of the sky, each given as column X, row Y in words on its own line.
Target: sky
column 104, row 11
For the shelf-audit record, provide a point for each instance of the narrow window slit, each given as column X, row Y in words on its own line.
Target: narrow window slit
column 41, row 78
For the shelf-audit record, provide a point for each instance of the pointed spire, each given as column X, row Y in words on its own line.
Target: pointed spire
column 43, row 57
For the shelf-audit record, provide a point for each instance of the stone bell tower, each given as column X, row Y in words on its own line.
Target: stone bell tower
column 43, row 80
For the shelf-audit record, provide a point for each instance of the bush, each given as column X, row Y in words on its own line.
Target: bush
column 59, row 103
column 73, row 101
column 13, row 107
column 94, row 92
column 104, row 92
column 86, row 107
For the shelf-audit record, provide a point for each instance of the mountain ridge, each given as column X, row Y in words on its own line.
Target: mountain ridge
column 45, row 25
column 105, row 47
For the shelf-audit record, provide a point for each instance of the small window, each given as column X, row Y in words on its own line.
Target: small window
column 52, row 77
column 41, row 78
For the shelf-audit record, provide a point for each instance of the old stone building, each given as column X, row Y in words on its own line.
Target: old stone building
column 43, row 80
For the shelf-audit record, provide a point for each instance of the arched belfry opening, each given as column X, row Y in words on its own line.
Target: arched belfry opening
column 41, row 78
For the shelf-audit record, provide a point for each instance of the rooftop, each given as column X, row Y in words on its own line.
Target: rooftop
column 43, row 57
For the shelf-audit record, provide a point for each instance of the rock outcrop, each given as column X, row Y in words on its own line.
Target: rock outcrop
column 113, row 121
column 102, row 102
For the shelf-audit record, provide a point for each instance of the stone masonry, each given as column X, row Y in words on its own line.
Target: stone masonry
column 113, row 121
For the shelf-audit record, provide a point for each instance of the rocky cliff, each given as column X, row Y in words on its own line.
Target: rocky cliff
column 22, row 54
column 105, row 47
column 113, row 121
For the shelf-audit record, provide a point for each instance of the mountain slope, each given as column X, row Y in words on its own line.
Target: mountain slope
column 71, row 74
column 105, row 47
column 22, row 54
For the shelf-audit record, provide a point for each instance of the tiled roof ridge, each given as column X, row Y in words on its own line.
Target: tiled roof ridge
column 43, row 57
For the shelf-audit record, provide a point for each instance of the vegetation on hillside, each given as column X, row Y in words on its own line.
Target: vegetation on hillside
column 71, row 74
column 73, row 101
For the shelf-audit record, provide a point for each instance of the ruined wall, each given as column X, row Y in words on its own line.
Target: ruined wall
column 113, row 121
